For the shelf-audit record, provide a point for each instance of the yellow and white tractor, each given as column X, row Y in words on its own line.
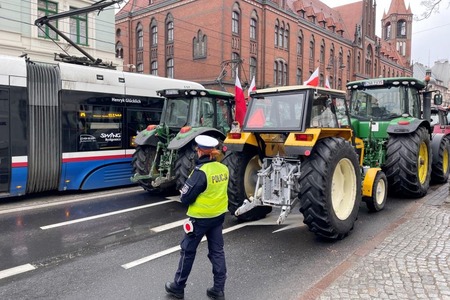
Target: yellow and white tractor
column 295, row 146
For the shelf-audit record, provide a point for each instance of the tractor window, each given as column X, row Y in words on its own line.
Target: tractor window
column 414, row 102
column 207, row 112
column 321, row 114
column 276, row 112
column 379, row 103
column 176, row 112
column 224, row 117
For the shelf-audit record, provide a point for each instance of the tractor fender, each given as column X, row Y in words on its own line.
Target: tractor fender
column 368, row 181
column 396, row 128
column 146, row 137
column 436, row 139
column 182, row 139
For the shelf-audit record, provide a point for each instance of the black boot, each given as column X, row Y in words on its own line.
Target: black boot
column 213, row 294
column 174, row 291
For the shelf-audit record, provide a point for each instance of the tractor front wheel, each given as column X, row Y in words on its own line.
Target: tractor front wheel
column 330, row 188
column 377, row 201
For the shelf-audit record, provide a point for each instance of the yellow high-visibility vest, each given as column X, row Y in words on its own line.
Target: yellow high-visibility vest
column 214, row 200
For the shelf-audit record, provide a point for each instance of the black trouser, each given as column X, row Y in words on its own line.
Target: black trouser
column 212, row 228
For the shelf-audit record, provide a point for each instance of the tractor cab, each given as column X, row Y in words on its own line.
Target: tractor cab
column 385, row 99
column 197, row 108
column 165, row 153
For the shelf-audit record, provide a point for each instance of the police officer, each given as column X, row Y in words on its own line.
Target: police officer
column 205, row 191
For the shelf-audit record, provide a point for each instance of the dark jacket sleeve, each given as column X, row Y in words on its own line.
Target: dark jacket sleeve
column 194, row 186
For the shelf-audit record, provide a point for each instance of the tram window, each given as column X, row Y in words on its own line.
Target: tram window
column 99, row 128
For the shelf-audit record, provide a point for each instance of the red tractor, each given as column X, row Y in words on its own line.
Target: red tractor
column 441, row 128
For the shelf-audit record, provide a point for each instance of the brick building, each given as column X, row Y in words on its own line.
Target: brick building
column 280, row 42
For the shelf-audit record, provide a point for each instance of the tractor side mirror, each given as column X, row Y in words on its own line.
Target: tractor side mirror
column 437, row 99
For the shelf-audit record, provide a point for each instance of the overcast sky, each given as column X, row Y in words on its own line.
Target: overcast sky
column 431, row 37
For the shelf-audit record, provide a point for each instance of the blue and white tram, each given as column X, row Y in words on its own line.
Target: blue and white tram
column 71, row 127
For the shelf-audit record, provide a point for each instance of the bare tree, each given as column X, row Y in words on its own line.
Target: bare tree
column 431, row 6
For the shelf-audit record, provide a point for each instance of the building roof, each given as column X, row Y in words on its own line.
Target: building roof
column 323, row 13
column 398, row 7
column 441, row 69
column 351, row 15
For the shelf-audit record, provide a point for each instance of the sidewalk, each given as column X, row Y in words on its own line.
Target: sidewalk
column 411, row 261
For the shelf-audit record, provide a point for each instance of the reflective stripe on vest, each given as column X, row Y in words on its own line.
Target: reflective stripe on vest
column 214, row 200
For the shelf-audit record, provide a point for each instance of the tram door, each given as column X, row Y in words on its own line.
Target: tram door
column 5, row 157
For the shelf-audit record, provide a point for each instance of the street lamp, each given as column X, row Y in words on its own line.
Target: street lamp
column 333, row 66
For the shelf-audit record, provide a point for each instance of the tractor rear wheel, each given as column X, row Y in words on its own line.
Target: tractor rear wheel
column 330, row 188
column 440, row 169
column 408, row 163
column 243, row 168
column 377, row 201
column 184, row 164
column 142, row 162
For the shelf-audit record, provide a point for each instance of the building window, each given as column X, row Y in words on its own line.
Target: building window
column 387, row 31
column 154, row 68
column 300, row 45
column 170, row 32
column 286, row 37
column 253, row 64
column 47, row 8
column 311, row 50
column 369, row 55
column 79, row 28
column 234, row 57
column 118, row 33
column 322, row 52
column 401, row 29
column 299, row 76
column 358, row 63
column 235, row 22
column 281, row 35
column 169, row 68
column 119, row 50
column 253, row 29
column 280, row 75
column 139, row 37
column 277, row 29
column 200, row 45
column 154, row 34
column 140, row 68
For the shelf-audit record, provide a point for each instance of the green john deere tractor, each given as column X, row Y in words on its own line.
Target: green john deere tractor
column 165, row 153
column 392, row 118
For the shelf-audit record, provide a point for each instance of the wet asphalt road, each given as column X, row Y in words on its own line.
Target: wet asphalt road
column 123, row 244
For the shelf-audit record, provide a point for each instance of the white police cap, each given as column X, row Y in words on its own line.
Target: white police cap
column 205, row 142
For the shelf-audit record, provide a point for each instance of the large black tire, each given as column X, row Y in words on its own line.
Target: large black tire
column 408, row 164
column 378, row 199
column 142, row 161
column 440, row 169
column 243, row 168
column 330, row 188
column 184, row 164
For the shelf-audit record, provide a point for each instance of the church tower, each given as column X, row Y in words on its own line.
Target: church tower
column 397, row 28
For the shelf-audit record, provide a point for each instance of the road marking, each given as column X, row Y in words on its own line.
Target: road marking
column 16, row 270
column 105, row 215
column 62, row 202
column 173, row 249
column 168, row 226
